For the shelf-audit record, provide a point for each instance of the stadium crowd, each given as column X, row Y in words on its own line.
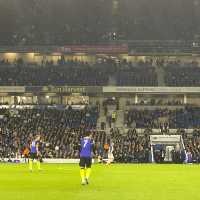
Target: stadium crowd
column 131, row 148
column 57, row 128
column 73, row 72
column 48, row 22
column 143, row 74
column 61, row 131
column 164, row 119
column 192, row 146
column 182, row 74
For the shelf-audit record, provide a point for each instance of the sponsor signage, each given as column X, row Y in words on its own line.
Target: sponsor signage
column 12, row 89
column 65, row 89
column 99, row 89
column 95, row 49
column 161, row 90
column 165, row 138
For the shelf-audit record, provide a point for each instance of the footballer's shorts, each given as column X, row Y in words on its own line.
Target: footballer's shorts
column 33, row 156
column 85, row 162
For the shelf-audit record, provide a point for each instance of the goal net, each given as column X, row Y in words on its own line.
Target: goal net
column 167, row 148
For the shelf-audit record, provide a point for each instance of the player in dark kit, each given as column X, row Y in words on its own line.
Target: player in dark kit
column 86, row 158
column 34, row 153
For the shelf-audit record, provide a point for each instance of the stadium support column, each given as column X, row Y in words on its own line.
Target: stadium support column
column 185, row 99
column 136, row 99
column 61, row 99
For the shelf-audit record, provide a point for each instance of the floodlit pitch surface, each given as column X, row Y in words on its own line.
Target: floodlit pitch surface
column 114, row 182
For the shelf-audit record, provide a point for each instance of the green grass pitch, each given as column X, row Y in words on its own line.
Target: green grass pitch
column 113, row 182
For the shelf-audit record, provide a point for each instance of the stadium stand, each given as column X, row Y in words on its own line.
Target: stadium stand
column 58, row 127
column 61, row 129
column 159, row 118
column 192, row 146
column 131, row 148
column 141, row 75
column 180, row 74
column 71, row 73
column 46, row 30
column 76, row 73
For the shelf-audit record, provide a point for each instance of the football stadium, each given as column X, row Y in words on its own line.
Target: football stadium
column 99, row 99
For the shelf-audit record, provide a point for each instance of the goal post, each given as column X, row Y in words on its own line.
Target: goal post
column 167, row 148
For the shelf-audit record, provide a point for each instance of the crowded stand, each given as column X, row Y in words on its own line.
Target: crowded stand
column 62, row 127
column 61, row 130
column 76, row 73
column 192, row 146
column 58, row 127
column 138, row 76
column 179, row 75
column 131, row 148
column 163, row 118
column 70, row 73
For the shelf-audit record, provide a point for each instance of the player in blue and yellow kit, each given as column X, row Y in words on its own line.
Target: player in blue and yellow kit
column 86, row 158
column 34, row 153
